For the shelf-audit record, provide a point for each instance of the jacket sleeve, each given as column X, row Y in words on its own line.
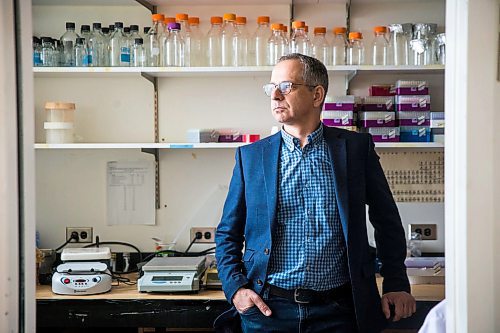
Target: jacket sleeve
column 229, row 236
column 389, row 231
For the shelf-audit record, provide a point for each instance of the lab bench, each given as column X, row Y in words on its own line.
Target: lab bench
column 124, row 307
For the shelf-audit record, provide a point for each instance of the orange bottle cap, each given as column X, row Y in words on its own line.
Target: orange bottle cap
column 306, row 28
column 355, row 35
column 194, row 20
column 339, row 30
column 319, row 30
column 241, row 20
column 380, row 28
column 229, row 17
column 263, row 19
column 276, row 26
column 168, row 20
column 298, row 24
column 284, row 28
column 216, row 20
column 157, row 17
column 181, row 17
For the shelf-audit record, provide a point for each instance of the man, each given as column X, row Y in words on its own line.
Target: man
column 297, row 203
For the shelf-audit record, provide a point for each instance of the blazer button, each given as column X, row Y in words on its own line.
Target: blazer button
column 259, row 282
column 266, row 251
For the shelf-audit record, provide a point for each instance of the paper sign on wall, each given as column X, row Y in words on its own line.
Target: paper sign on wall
column 131, row 192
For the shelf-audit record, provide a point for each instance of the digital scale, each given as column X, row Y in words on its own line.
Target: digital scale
column 172, row 274
column 84, row 271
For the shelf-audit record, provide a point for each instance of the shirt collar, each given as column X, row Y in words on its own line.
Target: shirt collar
column 292, row 142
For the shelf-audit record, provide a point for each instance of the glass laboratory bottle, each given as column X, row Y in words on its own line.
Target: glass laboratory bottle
column 228, row 39
column 339, row 46
column 47, row 53
column 68, row 42
column 258, row 45
column 241, row 42
column 174, row 48
column 196, row 42
column 153, row 42
column 276, row 45
column 356, row 49
column 380, row 46
column 185, row 31
column 299, row 42
column 138, row 54
column 162, row 37
column 37, row 52
column 81, row 54
column 214, row 42
column 399, row 44
column 95, row 46
column 321, row 49
column 117, row 42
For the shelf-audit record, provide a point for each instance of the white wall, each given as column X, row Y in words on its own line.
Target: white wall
column 71, row 183
column 472, row 157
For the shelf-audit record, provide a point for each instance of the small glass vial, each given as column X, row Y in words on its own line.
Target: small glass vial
column 138, row 53
column 356, row 50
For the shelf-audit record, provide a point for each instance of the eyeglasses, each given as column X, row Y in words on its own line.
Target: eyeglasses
column 284, row 87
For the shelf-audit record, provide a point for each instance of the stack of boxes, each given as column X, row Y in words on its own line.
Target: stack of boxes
column 340, row 111
column 390, row 114
column 413, row 106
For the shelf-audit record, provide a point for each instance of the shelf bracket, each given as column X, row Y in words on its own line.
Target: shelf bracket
column 156, row 153
column 348, row 79
column 348, row 15
column 154, row 81
column 145, row 3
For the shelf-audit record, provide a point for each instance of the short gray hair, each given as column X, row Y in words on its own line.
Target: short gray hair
column 314, row 72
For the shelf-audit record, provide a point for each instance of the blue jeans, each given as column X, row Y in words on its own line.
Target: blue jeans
column 334, row 316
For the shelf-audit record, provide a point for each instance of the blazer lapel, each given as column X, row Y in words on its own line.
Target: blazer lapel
column 270, row 155
column 338, row 153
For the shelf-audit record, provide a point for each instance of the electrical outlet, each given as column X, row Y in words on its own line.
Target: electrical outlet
column 207, row 234
column 428, row 231
column 84, row 234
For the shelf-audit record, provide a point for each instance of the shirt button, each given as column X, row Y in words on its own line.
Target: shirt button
column 308, row 268
column 266, row 251
column 259, row 282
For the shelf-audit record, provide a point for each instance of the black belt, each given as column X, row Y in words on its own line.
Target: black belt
column 305, row 296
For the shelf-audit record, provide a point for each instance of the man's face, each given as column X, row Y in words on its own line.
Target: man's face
column 297, row 107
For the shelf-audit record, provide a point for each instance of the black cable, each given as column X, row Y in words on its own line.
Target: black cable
column 118, row 243
column 65, row 243
column 191, row 244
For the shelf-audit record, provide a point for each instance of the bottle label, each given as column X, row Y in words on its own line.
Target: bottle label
column 37, row 58
column 87, row 60
column 125, row 54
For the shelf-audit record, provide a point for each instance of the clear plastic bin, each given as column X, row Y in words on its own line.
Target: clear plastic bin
column 58, row 132
column 60, row 112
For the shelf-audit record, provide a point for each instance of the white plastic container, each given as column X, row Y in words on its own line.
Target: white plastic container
column 58, row 132
column 59, row 112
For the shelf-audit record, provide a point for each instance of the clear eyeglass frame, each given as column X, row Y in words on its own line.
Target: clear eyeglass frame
column 284, row 87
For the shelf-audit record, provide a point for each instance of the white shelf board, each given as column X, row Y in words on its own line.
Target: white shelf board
column 212, row 145
column 409, row 145
column 181, row 145
column 60, row 72
column 369, row 69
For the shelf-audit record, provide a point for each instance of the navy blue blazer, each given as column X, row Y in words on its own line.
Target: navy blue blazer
column 249, row 217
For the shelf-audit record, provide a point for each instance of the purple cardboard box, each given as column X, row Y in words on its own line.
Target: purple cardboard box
column 384, row 134
column 338, row 118
column 378, row 103
column 377, row 119
column 342, row 103
column 412, row 87
column 413, row 103
column 414, row 118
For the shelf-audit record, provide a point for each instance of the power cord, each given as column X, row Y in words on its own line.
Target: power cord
column 97, row 243
column 197, row 236
column 74, row 235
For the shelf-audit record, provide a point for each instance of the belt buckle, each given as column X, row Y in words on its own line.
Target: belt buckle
column 296, row 296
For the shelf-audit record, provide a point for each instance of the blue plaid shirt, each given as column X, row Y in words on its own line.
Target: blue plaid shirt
column 308, row 248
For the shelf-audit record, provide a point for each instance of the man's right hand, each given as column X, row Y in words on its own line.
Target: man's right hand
column 245, row 299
